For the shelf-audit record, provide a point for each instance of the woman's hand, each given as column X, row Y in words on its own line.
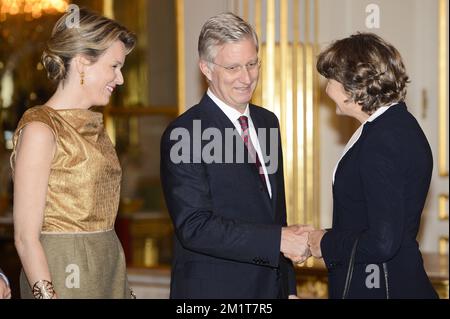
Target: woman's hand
column 314, row 239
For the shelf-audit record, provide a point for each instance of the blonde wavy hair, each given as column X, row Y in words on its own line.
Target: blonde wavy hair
column 91, row 38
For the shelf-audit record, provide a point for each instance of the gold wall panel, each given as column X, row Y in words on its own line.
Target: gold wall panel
column 108, row 8
column 443, row 245
column 443, row 119
column 179, row 9
column 288, row 87
column 443, row 207
column 443, row 88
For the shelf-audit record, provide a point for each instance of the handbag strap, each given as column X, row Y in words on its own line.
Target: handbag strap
column 386, row 280
column 351, row 264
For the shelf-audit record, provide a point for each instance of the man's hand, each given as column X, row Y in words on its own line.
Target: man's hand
column 294, row 242
column 5, row 291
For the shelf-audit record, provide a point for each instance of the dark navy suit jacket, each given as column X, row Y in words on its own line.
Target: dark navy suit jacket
column 228, row 229
column 380, row 188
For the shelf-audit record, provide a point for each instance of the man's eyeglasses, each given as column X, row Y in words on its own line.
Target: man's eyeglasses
column 236, row 69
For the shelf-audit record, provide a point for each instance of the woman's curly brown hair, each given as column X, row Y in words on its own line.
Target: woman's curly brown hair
column 370, row 69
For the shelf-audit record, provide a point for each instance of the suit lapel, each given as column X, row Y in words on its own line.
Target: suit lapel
column 215, row 114
column 355, row 148
column 392, row 111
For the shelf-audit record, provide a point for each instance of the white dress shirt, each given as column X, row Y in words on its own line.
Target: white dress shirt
column 234, row 115
column 355, row 137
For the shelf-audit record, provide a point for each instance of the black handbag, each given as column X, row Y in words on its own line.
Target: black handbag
column 351, row 265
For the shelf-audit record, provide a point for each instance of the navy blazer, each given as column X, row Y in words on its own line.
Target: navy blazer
column 380, row 188
column 227, row 228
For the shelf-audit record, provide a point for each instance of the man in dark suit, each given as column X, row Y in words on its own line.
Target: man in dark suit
column 224, row 193
column 5, row 291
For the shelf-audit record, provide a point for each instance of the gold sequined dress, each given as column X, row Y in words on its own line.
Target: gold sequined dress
column 85, row 257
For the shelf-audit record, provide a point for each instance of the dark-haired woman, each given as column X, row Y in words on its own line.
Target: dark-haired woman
column 381, row 181
column 66, row 171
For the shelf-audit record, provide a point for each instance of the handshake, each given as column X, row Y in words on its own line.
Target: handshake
column 299, row 242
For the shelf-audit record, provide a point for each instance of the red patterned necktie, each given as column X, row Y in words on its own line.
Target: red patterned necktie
column 243, row 120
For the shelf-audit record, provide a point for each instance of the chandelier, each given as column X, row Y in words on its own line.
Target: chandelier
column 31, row 8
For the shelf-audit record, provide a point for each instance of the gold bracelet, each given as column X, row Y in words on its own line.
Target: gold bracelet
column 43, row 289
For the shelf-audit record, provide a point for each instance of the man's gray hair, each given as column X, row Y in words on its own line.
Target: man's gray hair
column 221, row 29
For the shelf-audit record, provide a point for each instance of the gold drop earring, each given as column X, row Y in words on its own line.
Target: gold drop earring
column 82, row 78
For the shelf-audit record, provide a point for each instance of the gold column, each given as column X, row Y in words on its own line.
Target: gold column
column 300, row 146
column 268, row 80
column 246, row 10
column 311, row 115
column 316, row 136
column 443, row 245
column 108, row 8
column 179, row 9
column 285, row 110
column 443, row 88
column 288, row 87
column 292, row 218
column 443, row 202
column 257, row 96
column 258, row 18
column 443, row 116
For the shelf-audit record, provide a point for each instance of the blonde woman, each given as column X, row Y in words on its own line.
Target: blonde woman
column 66, row 171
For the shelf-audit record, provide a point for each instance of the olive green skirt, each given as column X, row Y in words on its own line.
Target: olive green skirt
column 85, row 265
